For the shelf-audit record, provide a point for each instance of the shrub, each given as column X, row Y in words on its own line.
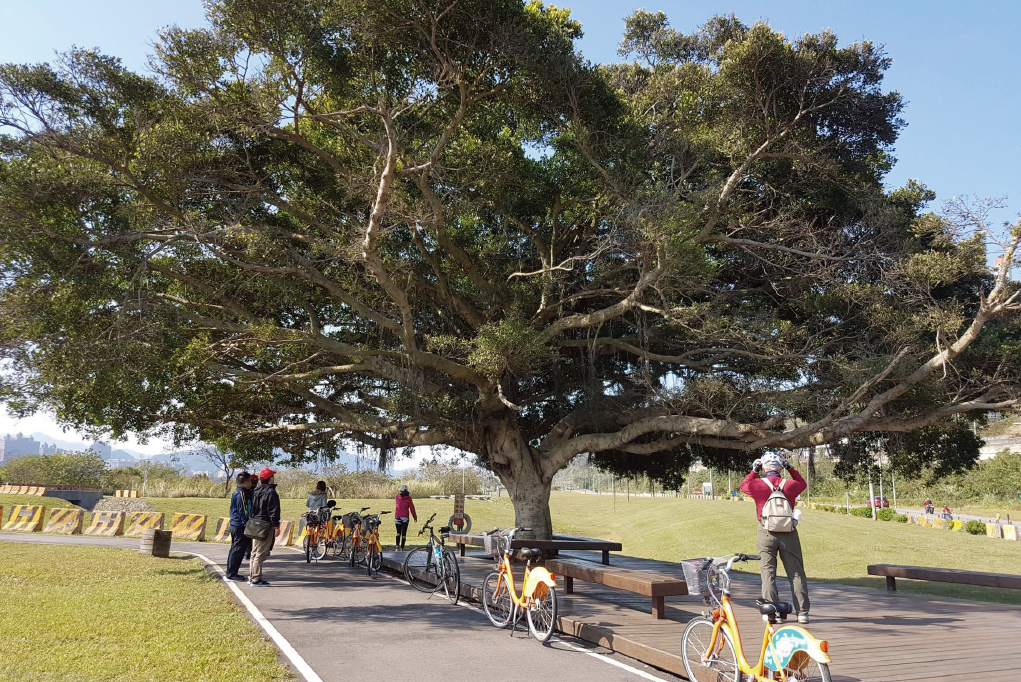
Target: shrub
column 900, row 518
column 975, row 527
column 69, row 468
column 885, row 514
column 864, row 512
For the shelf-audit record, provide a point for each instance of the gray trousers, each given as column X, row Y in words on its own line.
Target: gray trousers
column 260, row 552
column 788, row 546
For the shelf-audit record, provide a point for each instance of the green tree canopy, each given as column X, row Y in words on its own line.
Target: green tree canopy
column 422, row 222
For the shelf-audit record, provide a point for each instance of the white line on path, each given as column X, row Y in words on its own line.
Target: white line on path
column 292, row 655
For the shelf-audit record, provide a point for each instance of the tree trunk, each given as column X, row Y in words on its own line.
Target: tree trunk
column 519, row 468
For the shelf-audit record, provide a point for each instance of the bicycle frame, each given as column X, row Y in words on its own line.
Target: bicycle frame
column 779, row 645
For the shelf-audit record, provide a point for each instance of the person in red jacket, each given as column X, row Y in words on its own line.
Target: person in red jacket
column 770, row 544
column 403, row 504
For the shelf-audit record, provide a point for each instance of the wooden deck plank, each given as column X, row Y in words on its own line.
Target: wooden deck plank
column 874, row 635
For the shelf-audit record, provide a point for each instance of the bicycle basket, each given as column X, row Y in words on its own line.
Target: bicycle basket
column 697, row 577
column 491, row 543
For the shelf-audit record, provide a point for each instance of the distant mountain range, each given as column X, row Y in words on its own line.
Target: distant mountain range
column 194, row 462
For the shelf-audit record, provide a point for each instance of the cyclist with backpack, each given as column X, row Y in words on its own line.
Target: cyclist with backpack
column 778, row 535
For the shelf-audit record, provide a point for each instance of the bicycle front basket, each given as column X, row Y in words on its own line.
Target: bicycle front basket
column 491, row 543
column 697, row 577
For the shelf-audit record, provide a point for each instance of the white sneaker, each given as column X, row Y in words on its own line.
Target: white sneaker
column 802, row 619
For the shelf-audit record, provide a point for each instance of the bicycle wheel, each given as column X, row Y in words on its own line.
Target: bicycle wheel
column 357, row 553
column 320, row 550
column 700, row 664
column 803, row 668
column 342, row 548
column 496, row 599
column 542, row 612
column 307, row 544
column 373, row 561
column 451, row 577
column 419, row 567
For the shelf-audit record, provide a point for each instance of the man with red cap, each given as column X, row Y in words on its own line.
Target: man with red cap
column 265, row 506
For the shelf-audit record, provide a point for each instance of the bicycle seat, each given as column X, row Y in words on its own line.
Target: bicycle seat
column 775, row 610
column 530, row 553
column 445, row 529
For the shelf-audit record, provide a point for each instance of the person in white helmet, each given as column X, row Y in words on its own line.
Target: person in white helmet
column 778, row 535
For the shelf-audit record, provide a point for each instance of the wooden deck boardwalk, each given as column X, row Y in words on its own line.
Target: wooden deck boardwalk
column 874, row 635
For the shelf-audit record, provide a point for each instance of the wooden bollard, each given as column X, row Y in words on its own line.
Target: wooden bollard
column 155, row 542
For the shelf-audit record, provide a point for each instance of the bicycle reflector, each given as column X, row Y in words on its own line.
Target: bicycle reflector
column 825, row 646
column 552, row 576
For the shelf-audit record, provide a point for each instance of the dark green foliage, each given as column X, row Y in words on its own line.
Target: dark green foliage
column 864, row 512
column 886, row 514
column 975, row 527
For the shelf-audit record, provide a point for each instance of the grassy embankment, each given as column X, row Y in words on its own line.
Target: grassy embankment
column 837, row 547
column 92, row 614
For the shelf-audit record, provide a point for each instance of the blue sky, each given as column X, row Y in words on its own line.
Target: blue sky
column 956, row 64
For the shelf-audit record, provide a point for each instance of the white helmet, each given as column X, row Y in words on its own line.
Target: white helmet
column 772, row 462
column 403, row 489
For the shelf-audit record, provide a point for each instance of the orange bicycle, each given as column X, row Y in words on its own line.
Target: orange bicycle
column 370, row 540
column 711, row 644
column 538, row 598
column 355, row 543
column 317, row 535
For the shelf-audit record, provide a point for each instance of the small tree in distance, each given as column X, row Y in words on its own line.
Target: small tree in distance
column 424, row 222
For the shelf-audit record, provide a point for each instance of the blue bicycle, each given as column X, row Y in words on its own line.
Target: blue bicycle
column 430, row 568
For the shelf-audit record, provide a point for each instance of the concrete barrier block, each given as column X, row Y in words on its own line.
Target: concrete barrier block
column 190, row 527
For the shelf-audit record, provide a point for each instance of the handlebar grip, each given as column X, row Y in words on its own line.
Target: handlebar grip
column 381, row 513
column 525, row 530
column 747, row 557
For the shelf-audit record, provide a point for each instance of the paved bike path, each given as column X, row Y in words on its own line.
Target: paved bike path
column 352, row 628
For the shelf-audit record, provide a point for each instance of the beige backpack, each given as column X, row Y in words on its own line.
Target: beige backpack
column 777, row 513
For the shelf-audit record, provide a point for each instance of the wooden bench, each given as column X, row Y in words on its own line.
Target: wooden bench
column 559, row 543
column 944, row 575
column 640, row 582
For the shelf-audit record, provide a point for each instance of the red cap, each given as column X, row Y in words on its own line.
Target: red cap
column 266, row 474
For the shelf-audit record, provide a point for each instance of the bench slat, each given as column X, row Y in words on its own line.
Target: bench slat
column 947, row 575
column 523, row 543
column 638, row 582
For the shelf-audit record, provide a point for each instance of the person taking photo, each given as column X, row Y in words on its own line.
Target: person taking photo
column 778, row 535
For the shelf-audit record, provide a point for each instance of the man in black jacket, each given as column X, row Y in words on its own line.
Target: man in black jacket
column 240, row 511
column 265, row 506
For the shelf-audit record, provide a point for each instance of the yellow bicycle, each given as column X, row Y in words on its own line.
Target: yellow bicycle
column 711, row 644
column 538, row 598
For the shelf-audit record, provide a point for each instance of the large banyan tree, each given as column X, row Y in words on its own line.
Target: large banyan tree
column 414, row 223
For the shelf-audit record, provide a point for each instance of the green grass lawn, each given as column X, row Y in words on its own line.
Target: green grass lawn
column 84, row 614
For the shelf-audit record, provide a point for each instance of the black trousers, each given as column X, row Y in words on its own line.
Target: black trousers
column 239, row 546
column 402, row 532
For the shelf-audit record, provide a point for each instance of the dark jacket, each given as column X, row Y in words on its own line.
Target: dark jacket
column 240, row 506
column 266, row 505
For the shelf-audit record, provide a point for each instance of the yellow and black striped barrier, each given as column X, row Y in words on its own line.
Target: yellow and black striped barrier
column 222, row 530
column 139, row 521
column 25, row 518
column 106, row 524
column 188, row 527
column 66, row 521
